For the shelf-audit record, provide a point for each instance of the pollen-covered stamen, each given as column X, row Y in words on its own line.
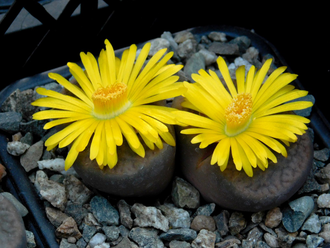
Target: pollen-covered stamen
column 238, row 114
column 110, row 101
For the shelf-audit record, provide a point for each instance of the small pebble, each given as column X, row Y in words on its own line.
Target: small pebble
column 323, row 201
column 273, row 217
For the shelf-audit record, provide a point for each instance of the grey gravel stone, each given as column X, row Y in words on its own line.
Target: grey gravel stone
column 237, row 223
column 271, row 240
column 76, row 211
column 158, row 44
column 222, row 221
column 206, row 210
column 184, row 194
column 20, row 102
column 146, row 237
column 125, row 213
column 181, row 234
column 257, row 217
column 312, row 224
column 183, row 36
column 243, row 42
column 323, row 175
column 177, row 217
column 186, row 48
column 273, row 217
column 322, row 155
column 77, row 191
column 209, row 57
column 204, row 239
column 125, row 243
column 103, row 211
column 55, row 216
column 30, row 240
column 217, row 36
column 27, row 138
column 230, row 242
column 111, row 232
column 224, row 48
column 29, row 160
column 179, row 244
column 194, row 64
column 254, row 236
column 88, row 232
column 68, row 228
column 10, row 122
column 284, row 238
column 65, row 244
column 51, row 191
column 295, row 215
column 203, row 222
column 149, row 217
column 313, row 241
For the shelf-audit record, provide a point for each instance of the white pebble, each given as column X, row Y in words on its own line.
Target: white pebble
column 16, row 148
column 97, row 240
column 56, row 164
column 323, row 201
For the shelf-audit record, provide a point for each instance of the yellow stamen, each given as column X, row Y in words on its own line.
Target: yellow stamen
column 238, row 114
column 110, row 101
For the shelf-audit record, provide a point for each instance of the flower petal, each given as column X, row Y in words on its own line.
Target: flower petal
column 240, row 78
column 226, row 75
column 111, row 62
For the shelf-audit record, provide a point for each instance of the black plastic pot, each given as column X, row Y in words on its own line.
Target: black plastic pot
column 18, row 183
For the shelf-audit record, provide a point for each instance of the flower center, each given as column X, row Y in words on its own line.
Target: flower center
column 238, row 114
column 110, row 101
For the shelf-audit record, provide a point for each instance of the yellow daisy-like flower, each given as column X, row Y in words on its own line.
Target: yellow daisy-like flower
column 245, row 119
column 113, row 100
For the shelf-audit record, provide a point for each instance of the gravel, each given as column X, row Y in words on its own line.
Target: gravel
column 178, row 218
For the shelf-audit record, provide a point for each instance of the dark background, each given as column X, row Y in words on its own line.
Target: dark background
column 299, row 32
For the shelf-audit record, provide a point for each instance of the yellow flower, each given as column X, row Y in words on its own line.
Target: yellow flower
column 113, row 100
column 245, row 119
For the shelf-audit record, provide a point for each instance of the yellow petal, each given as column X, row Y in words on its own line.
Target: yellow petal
column 109, row 138
column 92, row 69
column 111, row 62
column 240, row 78
column 96, row 141
column 54, row 114
column 117, row 134
column 226, row 75
column 87, row 104
column 260, row 78
column 249, row 79
column 86, row 136
column 221, row 153
column 267, row 84
column 138, row 64
column 104, row 68
column 83, row 81
column 288, row 107
column 237, row 158
column 50, row 102
column 129, row 133
column 70, row 87
column 72, row 154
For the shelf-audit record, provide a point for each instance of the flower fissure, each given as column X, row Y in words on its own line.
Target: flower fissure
column 110, row 101
column 238, row 114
